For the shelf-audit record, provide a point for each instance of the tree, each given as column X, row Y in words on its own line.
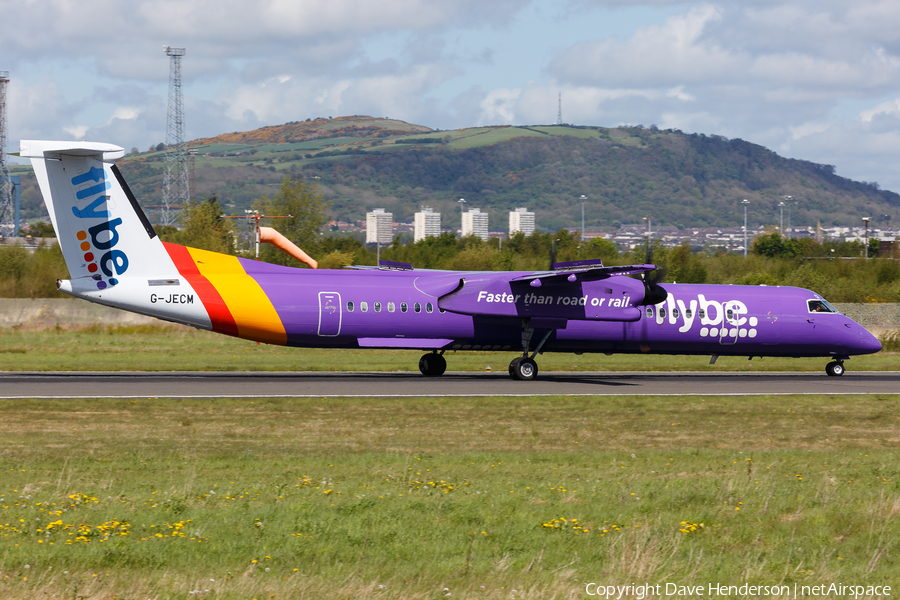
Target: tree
column 600, row 248
column 203, row 227
column 683, row 266
column 769, row 245
column 335, row 260
column 41, row 229
column 305, row 207
column 874, row 247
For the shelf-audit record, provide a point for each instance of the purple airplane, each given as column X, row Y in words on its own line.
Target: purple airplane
column 115, row 258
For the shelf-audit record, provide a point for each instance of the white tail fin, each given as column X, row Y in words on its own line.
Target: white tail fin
column 103, row 233
column 111, row 249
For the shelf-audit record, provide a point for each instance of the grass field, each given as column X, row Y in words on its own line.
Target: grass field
column 493, row 498
column 434, row 498
column 176, row 348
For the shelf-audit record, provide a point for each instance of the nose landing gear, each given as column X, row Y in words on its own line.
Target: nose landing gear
column 835, row 368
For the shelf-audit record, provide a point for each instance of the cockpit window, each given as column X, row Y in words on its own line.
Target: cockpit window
column 820, row 306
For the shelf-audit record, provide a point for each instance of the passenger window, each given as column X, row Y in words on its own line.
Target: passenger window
column 662, row 312
column 701, row 313
column 364, row 306
column 390, row 307
column 675, row 313
column 729, row 314
column 377, row 307
column 349, row 306
column 687, row 314
column 417, row 307
column 403, row 307
column 429, row 308
column 649, row 312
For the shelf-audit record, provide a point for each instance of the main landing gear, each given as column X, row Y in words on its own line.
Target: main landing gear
column 433, row 364
column 524, row 368
column 835, row 368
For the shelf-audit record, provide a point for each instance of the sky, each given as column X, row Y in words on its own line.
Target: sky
column 815, row 80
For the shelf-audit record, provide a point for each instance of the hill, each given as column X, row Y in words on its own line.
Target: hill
column 625, row 174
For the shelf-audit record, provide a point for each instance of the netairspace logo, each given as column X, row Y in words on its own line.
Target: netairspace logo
column 662, row 590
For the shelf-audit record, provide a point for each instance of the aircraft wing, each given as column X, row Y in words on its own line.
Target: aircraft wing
column 583, row 270
column 579, row 292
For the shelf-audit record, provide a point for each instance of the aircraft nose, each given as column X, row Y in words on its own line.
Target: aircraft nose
column 868, row 343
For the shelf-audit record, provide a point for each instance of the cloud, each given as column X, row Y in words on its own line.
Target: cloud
column 669, row 55
column 284, row 98
column 892, row 108
column 499, row 107
column 77, row 131
column 813, row 79
column 864, row 148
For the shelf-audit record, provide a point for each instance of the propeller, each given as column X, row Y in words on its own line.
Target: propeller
column 653, row 292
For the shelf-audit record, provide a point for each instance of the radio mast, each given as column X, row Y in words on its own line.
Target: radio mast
column 176, row 182
column 6, row 186
column 559, row 112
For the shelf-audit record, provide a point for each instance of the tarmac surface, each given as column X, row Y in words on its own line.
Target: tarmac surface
column 497, row 383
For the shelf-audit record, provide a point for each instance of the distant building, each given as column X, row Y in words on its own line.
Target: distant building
column 475, row 222
column 427, row 223
column 379, row 227
column 521, row 220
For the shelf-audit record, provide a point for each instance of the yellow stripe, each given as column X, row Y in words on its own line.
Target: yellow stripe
column 253, row 313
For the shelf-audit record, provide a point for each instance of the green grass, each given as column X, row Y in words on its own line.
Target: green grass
column 176, row 348
column 587, row 133
column 415, row 498
column 489, row 135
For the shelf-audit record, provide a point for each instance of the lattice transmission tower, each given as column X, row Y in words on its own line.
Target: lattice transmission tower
column 176, row 183
column 559, row 111
column 6, row 187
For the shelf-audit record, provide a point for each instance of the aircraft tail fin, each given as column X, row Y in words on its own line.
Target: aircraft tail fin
column 113, row 254
column 102, row 231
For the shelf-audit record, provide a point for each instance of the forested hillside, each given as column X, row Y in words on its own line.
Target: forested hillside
column 624, row 173
column 682, row 180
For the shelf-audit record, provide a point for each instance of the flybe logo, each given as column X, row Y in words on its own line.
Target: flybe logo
column 98, row 242
column 715, row 319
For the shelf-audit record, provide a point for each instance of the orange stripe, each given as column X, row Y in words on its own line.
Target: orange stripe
column 253, row 312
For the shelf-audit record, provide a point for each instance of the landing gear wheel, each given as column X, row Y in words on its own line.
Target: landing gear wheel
column 432, row 365
column 513, row 365
column 523, row 369
column 834, row 369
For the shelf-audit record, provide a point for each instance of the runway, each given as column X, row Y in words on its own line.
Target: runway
column 316, row 384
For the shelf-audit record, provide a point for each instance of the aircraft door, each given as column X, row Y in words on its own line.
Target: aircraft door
column 728, row 334
column 329, row 314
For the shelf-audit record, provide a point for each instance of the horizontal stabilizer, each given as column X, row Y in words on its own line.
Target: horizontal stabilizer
column 46, row 149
